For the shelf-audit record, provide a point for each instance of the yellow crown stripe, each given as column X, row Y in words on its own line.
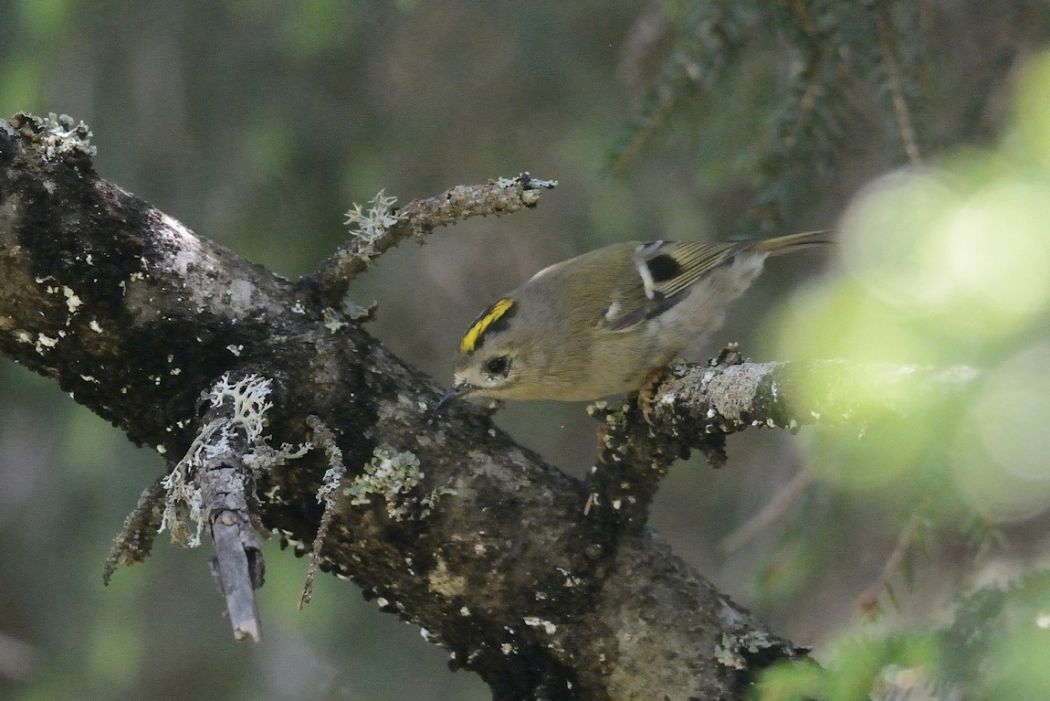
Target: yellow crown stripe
column 470, row 339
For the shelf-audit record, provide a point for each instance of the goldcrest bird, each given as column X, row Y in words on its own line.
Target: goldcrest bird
column 600, row 323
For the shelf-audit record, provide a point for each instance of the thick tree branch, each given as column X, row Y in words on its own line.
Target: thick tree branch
column 446, row 522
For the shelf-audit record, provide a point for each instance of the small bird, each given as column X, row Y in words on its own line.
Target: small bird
column 601, row 323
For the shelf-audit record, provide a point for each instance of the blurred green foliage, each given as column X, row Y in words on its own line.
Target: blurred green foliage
column 259, row 123
column 942, row 265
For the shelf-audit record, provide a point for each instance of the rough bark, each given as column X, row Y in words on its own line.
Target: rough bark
column 546, row 587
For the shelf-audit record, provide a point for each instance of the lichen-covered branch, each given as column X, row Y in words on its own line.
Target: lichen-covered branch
column 696, row 406
column 444, row 521
column 327, row 495
column 696, row 400
column 134, row 541
column 212, row 486
column 382, row 226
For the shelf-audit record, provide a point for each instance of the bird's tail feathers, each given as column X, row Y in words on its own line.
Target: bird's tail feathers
column 793, row 242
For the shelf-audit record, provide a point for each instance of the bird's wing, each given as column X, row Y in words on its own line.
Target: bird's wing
column 661, row 276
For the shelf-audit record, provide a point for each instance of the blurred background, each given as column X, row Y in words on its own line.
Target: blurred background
column 919, row 129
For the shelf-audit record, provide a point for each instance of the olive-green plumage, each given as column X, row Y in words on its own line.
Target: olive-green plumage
column 599, row 323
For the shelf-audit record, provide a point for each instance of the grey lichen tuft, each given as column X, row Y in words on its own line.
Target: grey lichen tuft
column 368, row 226
column 333, row 320
column 527, row 182
column 184, row 501
column 59, row 135
column 531, row 186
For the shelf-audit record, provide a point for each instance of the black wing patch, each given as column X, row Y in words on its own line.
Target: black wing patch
column 662, row 275
column 663, row 268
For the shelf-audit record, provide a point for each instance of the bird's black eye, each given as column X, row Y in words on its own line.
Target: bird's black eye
column 498, row 365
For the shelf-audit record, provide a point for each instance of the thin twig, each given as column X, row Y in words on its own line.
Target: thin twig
column 238, row 567
column 806, row 20
column 683, row 71
column 902, row 112
column 327, row 495
column 772, row 511
column 420, row 217
column 654, row 119
column 135, row 539
column 868, row 601
column 811, row 73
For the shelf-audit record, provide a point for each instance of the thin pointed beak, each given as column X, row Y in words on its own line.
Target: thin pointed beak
column 457, row 390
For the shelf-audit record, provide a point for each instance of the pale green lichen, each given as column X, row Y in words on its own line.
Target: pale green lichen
column 614, row 420
column 390, row 475
column 184, row 502
column 613, row 416
column 393, row 476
